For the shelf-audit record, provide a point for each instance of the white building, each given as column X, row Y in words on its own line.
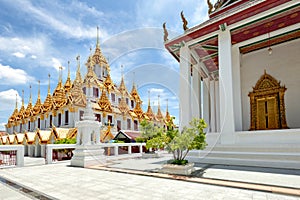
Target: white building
column 240, row 71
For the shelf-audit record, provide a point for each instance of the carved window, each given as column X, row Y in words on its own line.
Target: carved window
column 267, row 104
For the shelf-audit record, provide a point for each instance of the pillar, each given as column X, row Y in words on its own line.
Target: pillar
column 226, row 87
column 212, row 106
column 217, row 98
column 236, row 75
column 206, row 104
column 196, row 98
column 184, row 87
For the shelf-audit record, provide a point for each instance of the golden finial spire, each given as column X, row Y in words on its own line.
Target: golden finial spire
column 60, row 74
column 16, row 101
column 68, row 69
column 22, row 97
column 148, row 98
column 30, row 99
column 49, row 83
column 167, row 105
column 122, row 71
column 39, row 93
column 78, row 63
column 98, row 45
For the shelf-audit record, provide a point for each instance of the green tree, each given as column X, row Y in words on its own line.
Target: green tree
column 179, row 144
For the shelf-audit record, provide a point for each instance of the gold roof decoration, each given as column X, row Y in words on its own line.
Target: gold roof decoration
column 90, row 78
column 138, row 110
column 108, row 83
column 11, row 138
column 22, row 109
column 168, row 116
column 62, row 133
column 149, row 112
column 59, row 95
column 48, row 103
column 30, row 137
column 29, row 111
column 4, row 139
column 123, row 107
column 19, row 137
column 122, row 88
column 104, row 102
column 68, row 83
column 38, row 107
column 14, row 115
column 159, row 115
column 98, row 58
column 76, row 95
column 45, row 136
column 134, row 93
column 106, row 135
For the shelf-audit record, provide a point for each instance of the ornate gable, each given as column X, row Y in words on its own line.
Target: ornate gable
column 104, row 103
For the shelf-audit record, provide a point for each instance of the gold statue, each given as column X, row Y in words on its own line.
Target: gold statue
column 184, row 21
column 165, row 32
column 210, row 6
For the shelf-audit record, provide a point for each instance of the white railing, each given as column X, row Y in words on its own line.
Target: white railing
column 15, row 159
column 114, row 146
column 51, row 147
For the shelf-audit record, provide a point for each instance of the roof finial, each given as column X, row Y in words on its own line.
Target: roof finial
column 133, row 77
column 49, row 83
column 68, row 69
column 16, row 101
column 98, row 45
column 158, row 101
column 30, row 99
column 167, row 106
column 39, row 94
column 22, row 97
column 60, row 73
column 122, row 72
column 148, row 98
column 184, row 21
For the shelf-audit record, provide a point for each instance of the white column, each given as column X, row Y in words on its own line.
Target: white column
column 226, row 88
column 184, row 88
column 236, row 73
column 212, row 106
column 217, row 105
column 206, row 106
column 196, row 102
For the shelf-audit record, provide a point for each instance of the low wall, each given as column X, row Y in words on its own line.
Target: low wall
column 19, row 155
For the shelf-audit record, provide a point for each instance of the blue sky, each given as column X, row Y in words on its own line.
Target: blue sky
column 36, row 37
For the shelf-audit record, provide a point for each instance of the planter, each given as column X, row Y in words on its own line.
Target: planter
column 150, row 155
column 178, row 169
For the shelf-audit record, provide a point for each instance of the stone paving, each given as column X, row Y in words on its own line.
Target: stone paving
column 62, row 182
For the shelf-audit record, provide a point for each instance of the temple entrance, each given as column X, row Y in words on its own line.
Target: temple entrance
column 267, row 104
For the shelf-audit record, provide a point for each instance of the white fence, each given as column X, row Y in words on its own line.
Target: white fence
column 11, row 155
column 117, row 149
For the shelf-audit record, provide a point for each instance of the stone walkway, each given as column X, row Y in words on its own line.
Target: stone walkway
column 60, row 181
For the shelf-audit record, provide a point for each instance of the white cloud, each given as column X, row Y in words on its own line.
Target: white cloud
column 56, row 63
column 19, row 54
column 11, row 76
column 33, row 56
column 54, row 16
column 8, row 100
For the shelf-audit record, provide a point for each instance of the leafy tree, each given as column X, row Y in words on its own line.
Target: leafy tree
column 192, row 137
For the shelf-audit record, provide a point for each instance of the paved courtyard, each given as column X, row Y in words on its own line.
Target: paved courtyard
column 60, row 181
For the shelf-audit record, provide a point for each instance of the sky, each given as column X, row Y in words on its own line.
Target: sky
column 36, row 37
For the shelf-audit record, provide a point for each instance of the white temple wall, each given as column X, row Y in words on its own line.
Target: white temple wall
column 284, row 65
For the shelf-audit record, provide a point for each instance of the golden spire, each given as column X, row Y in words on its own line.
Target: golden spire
column 78, row 74
column 30, row 98
column 38, row 105
column 159, row 115
column 22, row 98
column 68, row 83
column 60, row 74
column 168, row 117
column 149, row 112
column 104, row 102
column 49, row 83
column 138, row 110
column 134, row 93
column 16, row 101
column 124, row 108
column 108, row 83
column 98, row 44
column 39, row 93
